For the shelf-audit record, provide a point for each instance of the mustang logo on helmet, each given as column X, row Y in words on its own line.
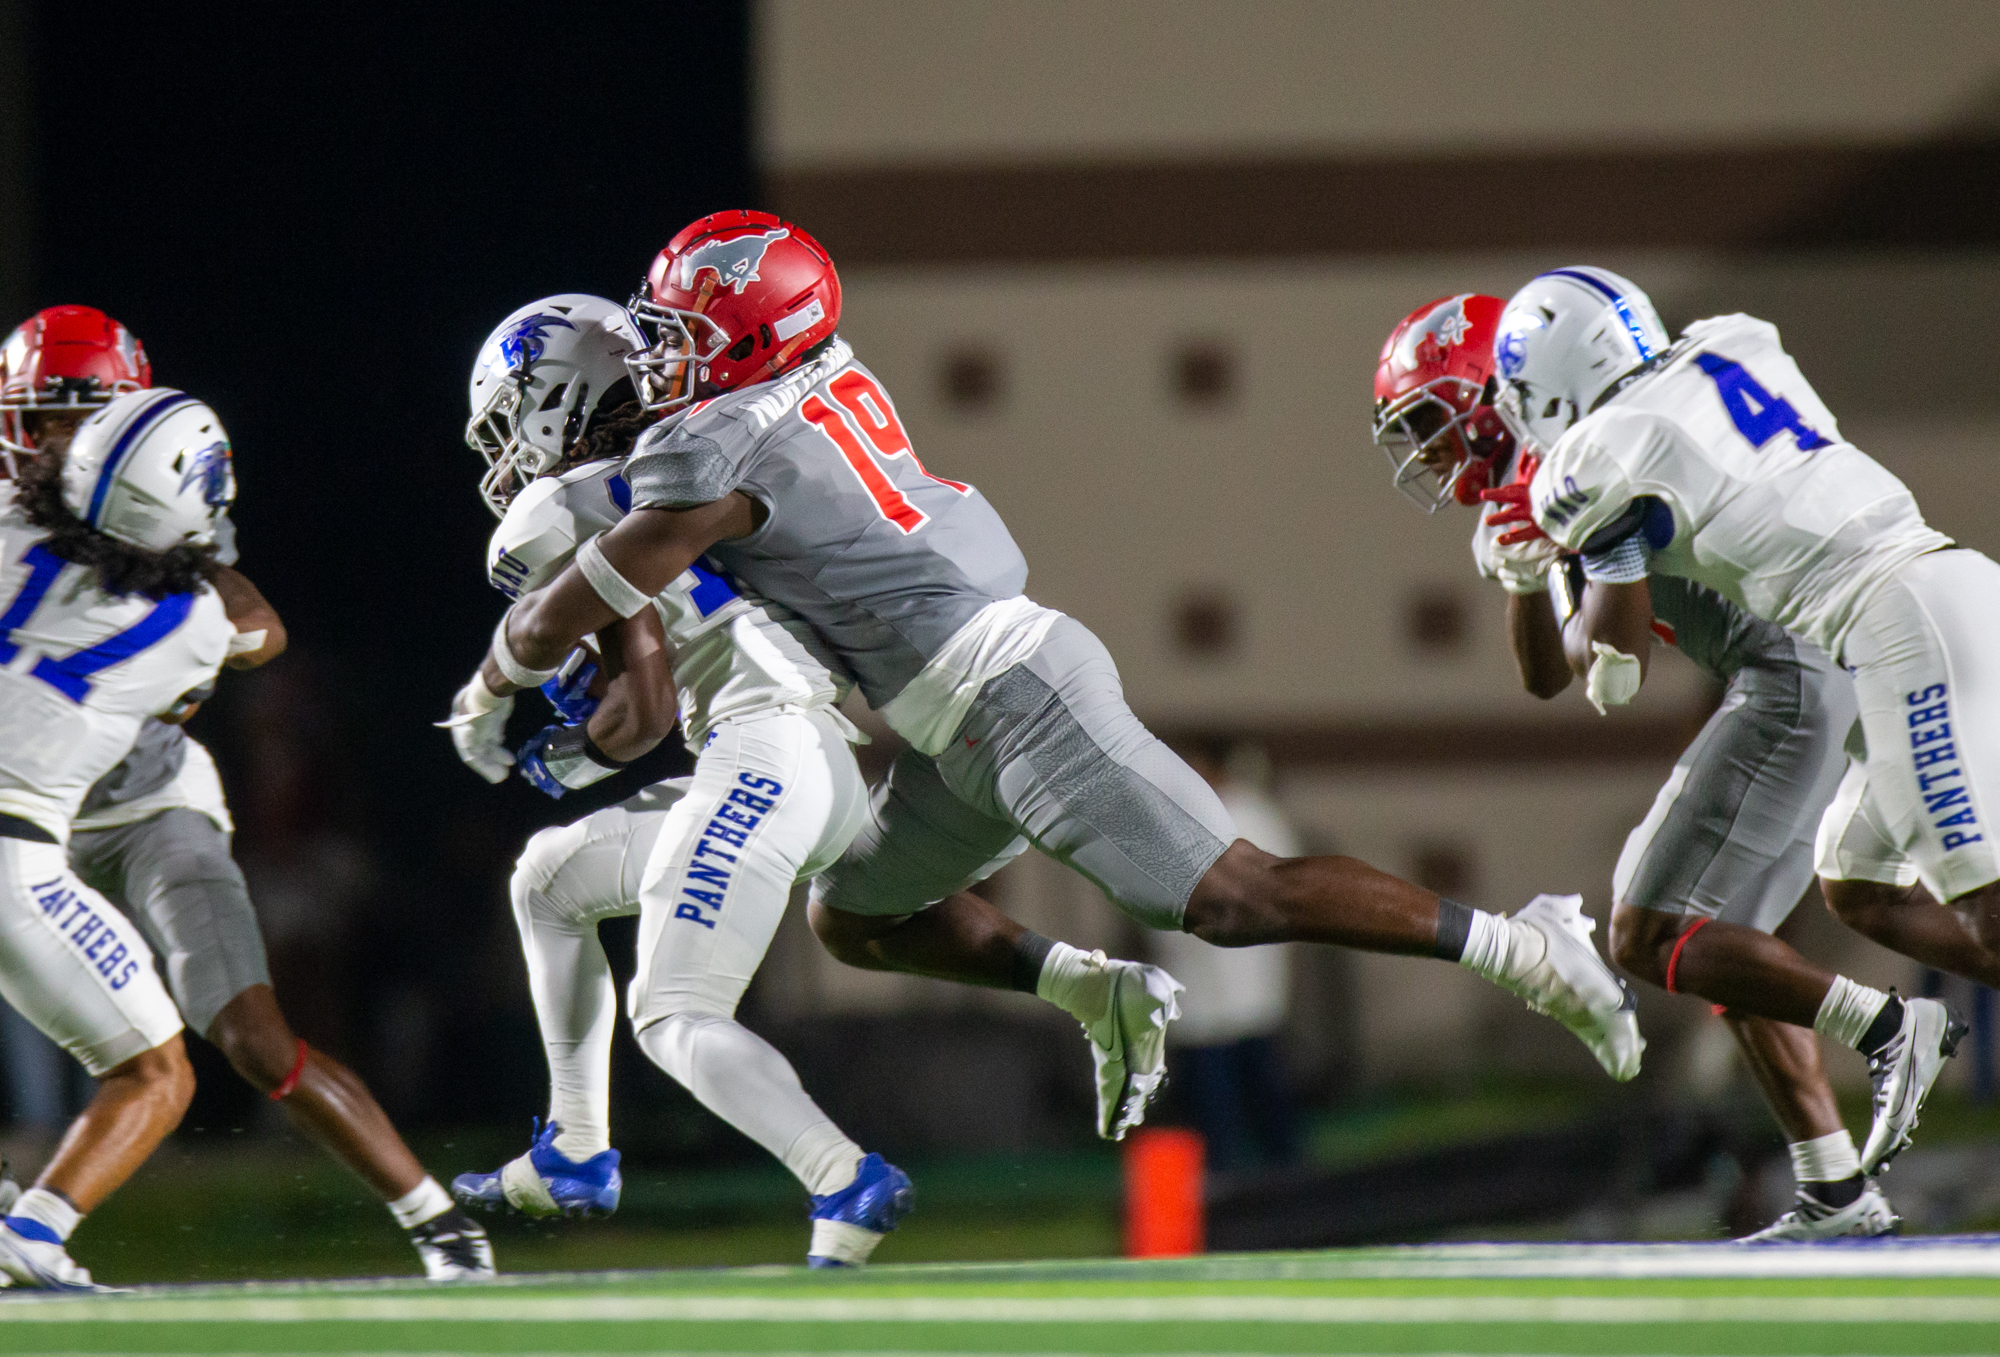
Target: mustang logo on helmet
column 210, row 467
column 1445, row 326
column 734, row 260
column 522, row 345
column 1512, row 351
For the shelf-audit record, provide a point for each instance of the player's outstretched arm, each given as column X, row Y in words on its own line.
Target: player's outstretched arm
column 260, row 632
column 645, row 552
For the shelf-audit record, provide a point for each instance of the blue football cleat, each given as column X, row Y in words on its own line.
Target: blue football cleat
column 544, row 1183
column 848, row 1224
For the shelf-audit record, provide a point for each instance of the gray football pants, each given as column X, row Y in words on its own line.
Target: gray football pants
column 1730, row 835
column 172, row 876
column 1049, row 755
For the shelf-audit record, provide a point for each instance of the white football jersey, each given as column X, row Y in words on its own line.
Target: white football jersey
column 732, row 655
column 1769, row 506
column 81, row 670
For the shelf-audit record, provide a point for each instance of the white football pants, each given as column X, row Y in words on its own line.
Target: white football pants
column 1921, row 803
column 708, row 864
column 73, row 965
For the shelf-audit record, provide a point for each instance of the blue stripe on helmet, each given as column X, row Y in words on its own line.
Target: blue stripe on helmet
column 145, row 419
column 1618, row 304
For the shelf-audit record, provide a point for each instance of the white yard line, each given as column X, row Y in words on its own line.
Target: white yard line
column 474, row 1306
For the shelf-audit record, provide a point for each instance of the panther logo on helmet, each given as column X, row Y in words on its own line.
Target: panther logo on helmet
column 734, row 260
column 211, row 470
column 522, row 345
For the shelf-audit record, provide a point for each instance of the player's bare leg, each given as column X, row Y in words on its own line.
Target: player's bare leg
column 1962, row 937
column 137, row 1103
column 328, row 1102
column 1834, row 1198
column 1749, row 972
column 963, row 939
column 1124, row 1006
column 1785, row 1061
column 136, row 1106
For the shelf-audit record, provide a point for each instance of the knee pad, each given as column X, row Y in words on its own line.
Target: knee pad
column 541, row 858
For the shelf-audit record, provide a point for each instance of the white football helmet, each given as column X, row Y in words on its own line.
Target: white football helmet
column 151, row 469
column 1562, row 342
column 540, row 376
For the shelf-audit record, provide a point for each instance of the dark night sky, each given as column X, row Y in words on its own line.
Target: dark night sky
column 312, row 217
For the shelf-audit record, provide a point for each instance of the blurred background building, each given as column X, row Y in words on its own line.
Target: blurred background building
column 1127, row 267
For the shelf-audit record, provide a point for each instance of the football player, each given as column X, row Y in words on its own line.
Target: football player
column 1729, row 839
column 783, row 459
column 1709, row 459
column 104, row 564
column 152, row 834
column 708, row 863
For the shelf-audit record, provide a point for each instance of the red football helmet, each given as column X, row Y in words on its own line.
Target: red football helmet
column 1433, row 400
column 64, row 358
column 733, row 299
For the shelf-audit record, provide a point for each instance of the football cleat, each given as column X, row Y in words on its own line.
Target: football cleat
column 848, row 1224
column 1131, row 1004
column 31, row 1256
column 1810, row 1218
column 543, row 1182
column 1903, row 1072
column 454, row 1247
column 1571, row 984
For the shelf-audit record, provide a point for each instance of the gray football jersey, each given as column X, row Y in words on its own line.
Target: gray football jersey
column 885, row 560
column 155, row 760
column 1716, row 634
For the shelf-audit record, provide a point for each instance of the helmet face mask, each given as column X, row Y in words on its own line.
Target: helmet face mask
column 1433, row 383
column 1427, row 433
column 540, row 378
column 670, row 370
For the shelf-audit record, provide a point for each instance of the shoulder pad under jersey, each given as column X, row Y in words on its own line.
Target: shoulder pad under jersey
column 1584, row 483
column 549, row 520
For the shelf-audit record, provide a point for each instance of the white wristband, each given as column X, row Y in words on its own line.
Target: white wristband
column 243, row 642
column 618, row 593
column 515, row 672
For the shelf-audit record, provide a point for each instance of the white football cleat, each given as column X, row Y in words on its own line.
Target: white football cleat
column 39, row 1264
column 1903, row 1072
column 453, row 1248
column 1810, row 1218
column 1132, row 1003
column 1571, row 984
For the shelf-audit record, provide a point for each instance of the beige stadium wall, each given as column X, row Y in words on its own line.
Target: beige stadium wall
column 870, row 81
column 980, row 170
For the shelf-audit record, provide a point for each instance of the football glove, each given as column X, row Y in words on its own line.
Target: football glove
column 478, row 726
column 569, row 691
column 562, row 758
column 1523, row 554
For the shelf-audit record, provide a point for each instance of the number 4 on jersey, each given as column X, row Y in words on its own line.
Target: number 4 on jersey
column 865, row 413
column 1757, row 414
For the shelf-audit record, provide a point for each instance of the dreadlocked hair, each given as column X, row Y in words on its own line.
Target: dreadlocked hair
column 121, row 568
column 612, row 432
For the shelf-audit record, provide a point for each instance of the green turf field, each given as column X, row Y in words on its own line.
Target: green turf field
column 1908, row 1297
